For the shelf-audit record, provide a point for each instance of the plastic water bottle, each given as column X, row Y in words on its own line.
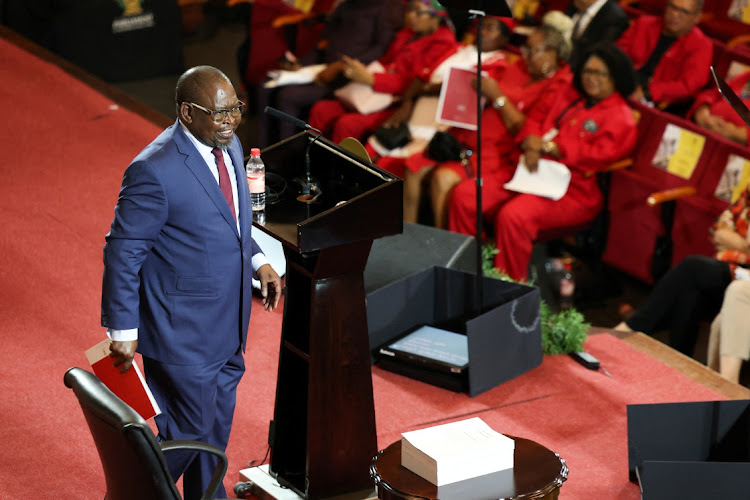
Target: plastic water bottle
column 256, row 180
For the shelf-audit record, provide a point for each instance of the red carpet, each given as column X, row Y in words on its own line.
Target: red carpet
column 65, row 148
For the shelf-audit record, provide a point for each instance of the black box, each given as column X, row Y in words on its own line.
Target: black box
column 504, row 338
column 690, row 450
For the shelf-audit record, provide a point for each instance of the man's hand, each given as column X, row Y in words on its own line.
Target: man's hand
column 123, row 353
column 270, row 286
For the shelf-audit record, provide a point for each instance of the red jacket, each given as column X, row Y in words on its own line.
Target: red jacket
column 683, row 69
column 407, row 59
column 588, row 139
column 718, row 106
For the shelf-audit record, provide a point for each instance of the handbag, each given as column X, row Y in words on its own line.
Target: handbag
column 393, row 137
column 444, row 147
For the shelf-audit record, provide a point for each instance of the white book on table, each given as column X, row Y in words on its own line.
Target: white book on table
column 457, row 451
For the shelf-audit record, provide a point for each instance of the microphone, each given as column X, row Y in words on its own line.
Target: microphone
column 310, row 187
column 287, row 118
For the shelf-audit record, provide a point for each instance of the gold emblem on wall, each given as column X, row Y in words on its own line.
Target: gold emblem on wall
column 131, row 7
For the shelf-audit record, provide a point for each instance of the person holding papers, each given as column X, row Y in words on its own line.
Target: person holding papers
column 585, row 127
column 362, row 29
column 414, row 53
column 510, row 90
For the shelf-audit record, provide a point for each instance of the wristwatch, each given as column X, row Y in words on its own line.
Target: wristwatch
column 499, row 102
column 548, row 147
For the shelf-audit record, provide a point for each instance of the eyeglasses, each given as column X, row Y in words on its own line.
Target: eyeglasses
column 221, row 114
column 595, row 72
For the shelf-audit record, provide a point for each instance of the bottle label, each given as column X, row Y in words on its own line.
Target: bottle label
column 257, row 182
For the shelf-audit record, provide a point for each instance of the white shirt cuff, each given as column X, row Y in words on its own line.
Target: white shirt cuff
column 258, row 260
column 123, row 335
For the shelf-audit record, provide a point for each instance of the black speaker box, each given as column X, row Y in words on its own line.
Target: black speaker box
column 416, row 249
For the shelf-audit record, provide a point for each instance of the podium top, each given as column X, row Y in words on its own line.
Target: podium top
column 357, row 201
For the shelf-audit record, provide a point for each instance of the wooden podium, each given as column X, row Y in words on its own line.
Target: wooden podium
column 323, row 434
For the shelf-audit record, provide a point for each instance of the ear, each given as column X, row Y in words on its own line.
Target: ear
column 186, row 113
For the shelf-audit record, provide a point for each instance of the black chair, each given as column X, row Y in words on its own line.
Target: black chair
column 132, row 459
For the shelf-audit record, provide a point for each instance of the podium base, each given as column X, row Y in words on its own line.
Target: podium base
column 257, row 481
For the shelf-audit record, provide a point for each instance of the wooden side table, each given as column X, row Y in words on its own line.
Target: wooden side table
column 538, row 473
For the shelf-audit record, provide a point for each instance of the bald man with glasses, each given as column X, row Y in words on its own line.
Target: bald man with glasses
column 671, row 55
column 178, row 264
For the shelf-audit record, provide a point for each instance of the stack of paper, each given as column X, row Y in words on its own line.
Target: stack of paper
column 457, row 451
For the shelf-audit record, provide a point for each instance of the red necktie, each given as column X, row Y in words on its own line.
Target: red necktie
column 224, row 183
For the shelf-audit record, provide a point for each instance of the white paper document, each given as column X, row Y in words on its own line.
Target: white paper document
column 302, row 76
column 551, row 179
column 457, row 451
column 361, row 97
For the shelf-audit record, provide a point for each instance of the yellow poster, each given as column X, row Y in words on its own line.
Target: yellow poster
column 740, row 10
column 734, row 179
column 679, row 151
column 301, row 5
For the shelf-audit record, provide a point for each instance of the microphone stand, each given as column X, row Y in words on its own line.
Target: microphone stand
column 478, row 9
column 310, row 187
column 479, row 15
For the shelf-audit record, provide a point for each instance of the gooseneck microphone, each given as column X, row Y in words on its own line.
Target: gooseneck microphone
column 287, row 118
column 310, row 187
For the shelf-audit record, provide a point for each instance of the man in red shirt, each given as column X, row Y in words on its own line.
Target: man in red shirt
column 671, row 55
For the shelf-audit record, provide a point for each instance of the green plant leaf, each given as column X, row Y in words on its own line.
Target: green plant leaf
column 562, row 332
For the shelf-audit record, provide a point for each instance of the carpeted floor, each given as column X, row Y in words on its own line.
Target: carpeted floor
column 66, row 148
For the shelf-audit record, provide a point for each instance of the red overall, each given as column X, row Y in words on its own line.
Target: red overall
column 405, row 60
column 683, row 69
column 588, row 140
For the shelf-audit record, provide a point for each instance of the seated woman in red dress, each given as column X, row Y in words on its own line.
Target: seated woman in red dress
column 586, row 127
column 415, row 52
column 511, row 90
column 712, row 112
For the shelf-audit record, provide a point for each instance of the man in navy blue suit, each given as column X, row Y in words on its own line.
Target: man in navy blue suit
column 178, row 264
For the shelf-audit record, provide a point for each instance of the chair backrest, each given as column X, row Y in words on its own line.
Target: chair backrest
column 133, row 463
column 671, row 151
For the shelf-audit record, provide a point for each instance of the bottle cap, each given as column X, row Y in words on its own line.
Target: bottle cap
column 255, row 152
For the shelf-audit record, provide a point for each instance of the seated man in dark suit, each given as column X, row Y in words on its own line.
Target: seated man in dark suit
column 594, row 21
column 362, row 29
column 671, row 55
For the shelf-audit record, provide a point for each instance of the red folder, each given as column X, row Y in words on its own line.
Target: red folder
column 130, row 386
column 457, row 105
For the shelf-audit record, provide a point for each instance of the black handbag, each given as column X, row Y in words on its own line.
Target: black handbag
column 393, row 137
column 444, row 147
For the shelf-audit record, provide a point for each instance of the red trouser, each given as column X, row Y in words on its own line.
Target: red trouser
column 337, row 122
column 518, row 217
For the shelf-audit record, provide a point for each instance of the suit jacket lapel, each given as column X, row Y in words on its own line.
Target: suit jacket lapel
column 197, row 165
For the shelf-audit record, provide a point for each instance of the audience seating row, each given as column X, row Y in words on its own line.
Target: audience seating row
column 661, row 208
